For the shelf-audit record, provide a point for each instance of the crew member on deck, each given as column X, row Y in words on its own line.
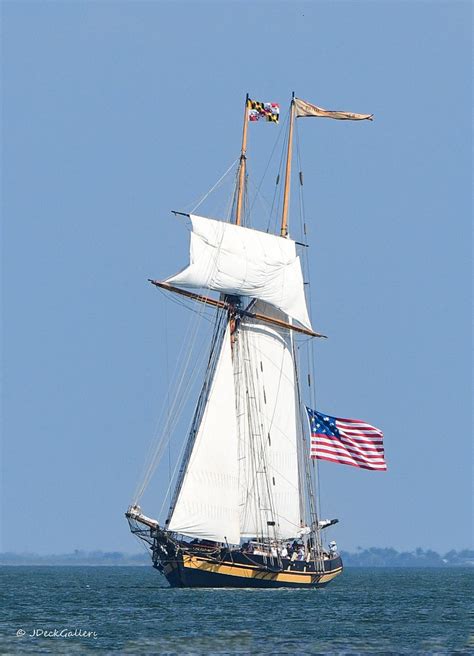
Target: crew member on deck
column 333, row 548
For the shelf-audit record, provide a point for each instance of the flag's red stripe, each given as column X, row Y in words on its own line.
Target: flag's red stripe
column 363, row 451
column 347, row 444
column 362, row 428
column 363, row 446
column 360, row 431
column 335, row 445
column 347, row 461
column 351, row 440
column 347, row 454
column 352, row 457
column 352, row 430
column 342, row 462
column 353, row 421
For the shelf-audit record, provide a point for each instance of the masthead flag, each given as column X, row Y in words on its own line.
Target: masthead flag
column 304, row 108
column 346, row 441
column 263, row 110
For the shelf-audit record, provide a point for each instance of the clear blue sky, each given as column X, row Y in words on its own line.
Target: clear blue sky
column 114, row 113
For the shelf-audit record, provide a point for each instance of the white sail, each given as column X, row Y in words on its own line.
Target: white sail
column 268, row 429
column 207, row 504
column 234, row 260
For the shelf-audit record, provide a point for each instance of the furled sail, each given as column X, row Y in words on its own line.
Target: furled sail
column 207, row 504
column 268, row 429
column 231, row 259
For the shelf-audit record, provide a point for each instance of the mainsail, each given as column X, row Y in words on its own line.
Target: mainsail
column 241, row 479
column 268, row 429
column 207, row 504
column 240, row 261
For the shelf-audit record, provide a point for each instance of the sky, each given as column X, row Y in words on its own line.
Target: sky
column 116, row 113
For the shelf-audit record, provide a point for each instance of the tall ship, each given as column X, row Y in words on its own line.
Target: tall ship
column 245, row 508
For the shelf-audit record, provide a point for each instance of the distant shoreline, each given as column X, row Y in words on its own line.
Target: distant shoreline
column 371, row 557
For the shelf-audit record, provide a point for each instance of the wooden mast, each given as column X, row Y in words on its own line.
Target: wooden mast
column 286, row 193
column 243, row 165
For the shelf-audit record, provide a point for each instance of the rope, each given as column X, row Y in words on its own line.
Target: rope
column 198, row 414
column 278, row 191
column 310, row 350
column 200, row 202
column 180, row 396
column 259, row 186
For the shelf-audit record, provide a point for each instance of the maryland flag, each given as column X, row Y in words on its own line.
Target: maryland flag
column 266, row 111
column 304, row 108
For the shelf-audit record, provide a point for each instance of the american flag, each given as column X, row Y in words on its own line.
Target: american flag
column 347, row 441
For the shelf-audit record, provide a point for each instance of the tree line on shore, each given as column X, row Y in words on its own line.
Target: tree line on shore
column 362, row 557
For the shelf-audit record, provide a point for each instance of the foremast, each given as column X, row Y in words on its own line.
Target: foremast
column 243, row 166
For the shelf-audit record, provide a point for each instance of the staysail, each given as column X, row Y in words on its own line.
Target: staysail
column 268, row 429
column 240, row 261
column 207, row 504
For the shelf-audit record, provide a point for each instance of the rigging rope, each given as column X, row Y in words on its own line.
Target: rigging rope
column 259, row 186
column 310, row 346
column 180, row 397
column 278, row 191
column 201, row 201
column 200, row 407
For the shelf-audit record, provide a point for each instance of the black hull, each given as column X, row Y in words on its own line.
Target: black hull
column 216, row 580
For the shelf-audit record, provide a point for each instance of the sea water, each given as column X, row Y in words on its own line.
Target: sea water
column 131, row 610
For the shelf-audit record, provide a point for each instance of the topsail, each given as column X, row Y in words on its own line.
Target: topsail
column 240, row 261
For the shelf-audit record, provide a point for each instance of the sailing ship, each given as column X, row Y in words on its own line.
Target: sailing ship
column 244, row 512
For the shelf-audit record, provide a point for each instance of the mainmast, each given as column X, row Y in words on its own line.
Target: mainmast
column 307, row 479
column 286, row 193
column 243, row 165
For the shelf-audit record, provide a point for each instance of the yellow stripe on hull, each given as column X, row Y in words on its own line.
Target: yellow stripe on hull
column 255, row 572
